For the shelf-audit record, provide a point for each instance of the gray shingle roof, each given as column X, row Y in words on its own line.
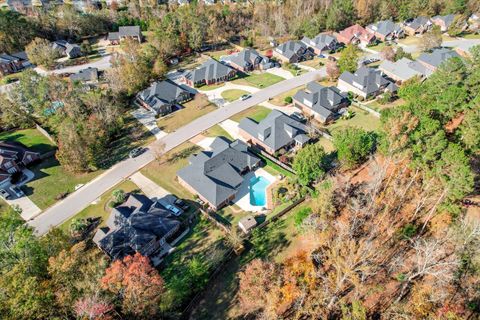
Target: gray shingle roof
column 385, row 27
column 437, row 57
column 404, row 69
column 366, row 79
column 216, row 174
column 320, row 42
column 447, row 20
column 208, row 71
column 290, row 48
column 418, row 22
column 247, row 58
column 322, row 100
column 129, row 31
column 276, row 130
column 162, row 92
column 134, row 225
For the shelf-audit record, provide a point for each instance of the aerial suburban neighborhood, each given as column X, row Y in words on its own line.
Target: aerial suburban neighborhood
column 220, row 159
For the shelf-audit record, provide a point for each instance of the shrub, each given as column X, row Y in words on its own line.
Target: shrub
column 301, row 215
column 288, row 99
column 119, row 196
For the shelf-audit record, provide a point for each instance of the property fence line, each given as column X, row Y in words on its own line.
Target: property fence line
column 215, row 218
column 366, row 108
column 273, row 159
column 45, row 133
column 280, row 214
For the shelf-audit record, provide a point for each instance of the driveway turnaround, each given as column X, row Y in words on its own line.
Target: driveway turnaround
column 81, row 198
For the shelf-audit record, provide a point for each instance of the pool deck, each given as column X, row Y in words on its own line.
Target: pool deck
column 243, row 195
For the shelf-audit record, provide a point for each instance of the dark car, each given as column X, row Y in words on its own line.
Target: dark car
column 136, row 152
column 298, row 116
column 182, row 204
column 4, row 194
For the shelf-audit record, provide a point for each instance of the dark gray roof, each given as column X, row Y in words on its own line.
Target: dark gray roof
column 89, row 74
column 447, row 20
column 161, row 92
column 321, row 41
column 129, row 31
column 216, row 174
column 65, row 46
column 276, row 130
column 418, row 22
column 385, row 27
column 209, row 70
column 290, row 48
column 322, row 100
column 112, row 36
column 437, row 57
column 132, row 226
column 247, row 58
column 366, row 79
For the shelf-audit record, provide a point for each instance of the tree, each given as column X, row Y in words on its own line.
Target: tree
column 309, row 163
column 42, row 53
column 92, row 308
column 353, row 145
column 140, row 284
column 470, row 129
column 119, row 196
column 431, row 39
column 86, row 47
column 333, row 71
column 457, row 26
column 348, row 60
column 400, row 53
column 388, row 53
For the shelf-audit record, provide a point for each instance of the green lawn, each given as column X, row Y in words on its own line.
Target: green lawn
column 3, row 205
column 379, row 107
column 191, row 111
column 326, row 144
column 280, row 99
column 257, row 113
column 32, row 138
column 217, row 131
column 379, row 47
column 471, row 36
column 51, row 180
column 259, row 80
column 165, row 173
column 294, row 70
column 101, row 208
column 273, row 168
column 361, row 119
column 316, row 62
column 233, row 94
column 410, row 40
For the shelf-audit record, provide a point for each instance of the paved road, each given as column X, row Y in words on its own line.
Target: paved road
column 101, row 64
column 80, row 199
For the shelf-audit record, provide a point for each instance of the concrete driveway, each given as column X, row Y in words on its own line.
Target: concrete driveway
column 281, row 73
column 148, row 187
column 147, row 118
column 81, row 198
column 215, row 95
column 29, row 208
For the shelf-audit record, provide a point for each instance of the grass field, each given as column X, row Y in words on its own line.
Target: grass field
column 32, row 138
column 101, row 208
column 233, row 94
column 361, row 119
column 256, row 113
column 165, row 173
column 259, row 80
column 191, row 111
column 316, row 63
column 51, row 180
column 280, row 99
column 217, row 131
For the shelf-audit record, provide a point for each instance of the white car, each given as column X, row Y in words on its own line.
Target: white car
column 245, row 97
column 173, row 209
column 17, row 191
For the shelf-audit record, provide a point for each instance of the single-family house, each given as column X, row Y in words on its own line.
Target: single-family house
column 162, row 96
column 11, row 63
column 14, row 156
column 417, row 25
column 132, row 32
column 138, row 225
column 210, row 72
column 404, row 69
column 322, row 103
column 444, row 22
column 323, row 42
column 85, row 75
column 246, row 224
column 435, row 58
column 474, row 22
column 356, row 34
column 365, row 82
column 215, row 176
column 65, row 48
column 386, row 30
column 273, row 133
column 293, row 52
column 248, row 60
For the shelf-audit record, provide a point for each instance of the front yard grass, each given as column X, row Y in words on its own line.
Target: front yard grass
column 233, row 94
column 280, row 99
column 217, row 131
column 101, row 208
column 3, row 205
column 316, row 63
column 379, row 47
column 259, row 80
column 31, row 138
column 211, row 86
column 191, row 111
column 257, row 113
column 164, row 173
column 362, row 119
column 410, row 41
column 471, row 36
column 51, row 180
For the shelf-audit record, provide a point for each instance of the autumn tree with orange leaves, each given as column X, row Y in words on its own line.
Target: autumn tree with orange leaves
column 137, row 282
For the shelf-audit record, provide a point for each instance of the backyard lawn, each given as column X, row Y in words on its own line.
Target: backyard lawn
column 326, row 144
column 101, row 208
column 257, row 113
column 191, row 111
column 379, row 107
column 217, row 131
column 361, row 119
column 233, row 94
column 51, row 180
column 165, row 173
column 280, row 99
column 32, row 138
column 259, row 80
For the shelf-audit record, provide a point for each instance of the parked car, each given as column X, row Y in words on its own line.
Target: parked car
column 176, row 211
column 298, row 116
column 245, row 97
column 17, row 191
column 136, row 152
column 4, row 194
column 182, row 204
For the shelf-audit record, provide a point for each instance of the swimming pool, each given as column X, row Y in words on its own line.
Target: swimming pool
column 258, row 186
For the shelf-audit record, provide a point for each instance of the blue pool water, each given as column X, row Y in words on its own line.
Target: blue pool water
column 258, row 185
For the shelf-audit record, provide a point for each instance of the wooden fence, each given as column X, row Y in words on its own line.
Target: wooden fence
column 45, row 133
column 271, row 158
column 366, row 108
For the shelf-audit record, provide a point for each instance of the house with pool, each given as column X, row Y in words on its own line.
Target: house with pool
column 227, row 173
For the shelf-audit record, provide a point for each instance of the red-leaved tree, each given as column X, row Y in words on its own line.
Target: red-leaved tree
column 92, row 307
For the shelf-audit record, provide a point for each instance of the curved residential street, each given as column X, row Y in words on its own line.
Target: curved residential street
column 81, row 198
